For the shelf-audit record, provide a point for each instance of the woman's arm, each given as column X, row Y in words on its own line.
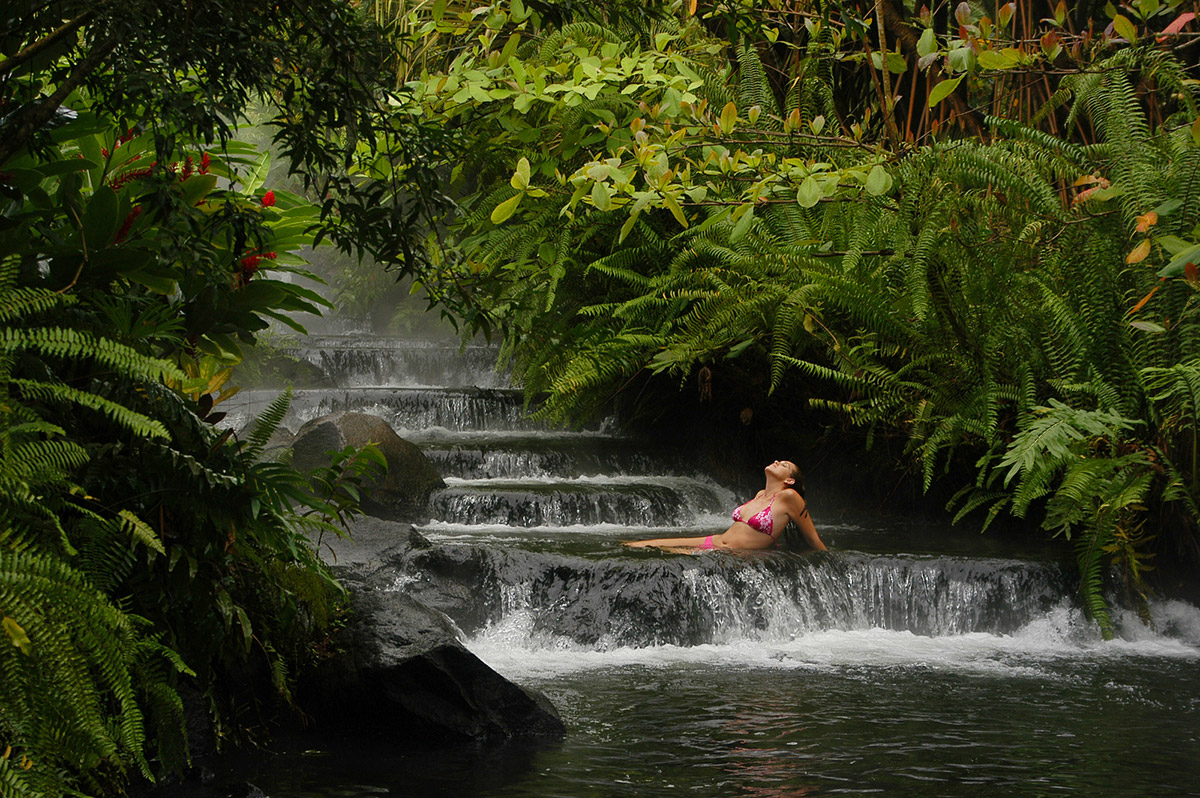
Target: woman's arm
column 797, row 510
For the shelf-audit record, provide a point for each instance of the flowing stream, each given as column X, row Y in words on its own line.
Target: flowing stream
column 911, row 659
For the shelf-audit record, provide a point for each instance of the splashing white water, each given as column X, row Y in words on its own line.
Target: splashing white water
column 516, row 649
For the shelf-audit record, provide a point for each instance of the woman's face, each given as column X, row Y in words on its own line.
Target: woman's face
column 781, row 469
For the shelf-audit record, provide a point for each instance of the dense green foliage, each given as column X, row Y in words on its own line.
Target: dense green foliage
column 657, row 201
column 971, row 230
column 145, row 554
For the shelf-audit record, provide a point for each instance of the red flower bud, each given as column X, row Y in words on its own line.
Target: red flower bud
column 268, row 199
column 127, row 224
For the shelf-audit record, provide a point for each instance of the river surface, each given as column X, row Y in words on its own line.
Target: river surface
column 911, row 659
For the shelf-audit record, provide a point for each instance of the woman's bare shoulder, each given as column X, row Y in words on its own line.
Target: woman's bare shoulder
column 793, row 502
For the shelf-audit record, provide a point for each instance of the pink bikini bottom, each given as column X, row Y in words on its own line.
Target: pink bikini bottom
column 708, row 543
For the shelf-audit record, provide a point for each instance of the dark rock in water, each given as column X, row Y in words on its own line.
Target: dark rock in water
column 456, row 580
column 402, row 672
column 244, row 790
column 403, row 492
column 405, row 674
column 371, row 543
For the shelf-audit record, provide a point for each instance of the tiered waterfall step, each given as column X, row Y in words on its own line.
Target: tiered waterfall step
column 365, row 360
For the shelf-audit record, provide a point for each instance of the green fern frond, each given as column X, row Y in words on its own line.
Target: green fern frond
column 67, row 343
column 753, row 88
column 1052, row 434
column 582, row 32
column 135, row 422
column 1176, row 391
column 267, row 423
column 16, row 303
column 73, row 652
column 1089, row 555
column 41, row 461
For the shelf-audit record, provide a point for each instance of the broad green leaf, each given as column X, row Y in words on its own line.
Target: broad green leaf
column 100, row 219
column 1125, row 28
column 253, row 179
column 809, row 193
column 197, row 187
column 1006, row 13
column 1178, row 263
column 1106, row 194
column 65, row 166
column 713, row 220
column 743, row 225
column 628, row 226
column 962, row 59
column 157, row 283
column 728, row 117
column 1147, row 326
column 510, row 47
column 895, row 62
column 927, row 44
column 990, row 59
column 506, row 209
column 601, row 197
column 673, row 206
column 879, row 181
column 943, row 90
column 1172, row 244
column 520, row 178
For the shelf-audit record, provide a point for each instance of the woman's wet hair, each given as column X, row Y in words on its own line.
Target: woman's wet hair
column 798, row 485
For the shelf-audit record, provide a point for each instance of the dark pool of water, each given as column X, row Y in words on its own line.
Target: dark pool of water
column 1127, row 725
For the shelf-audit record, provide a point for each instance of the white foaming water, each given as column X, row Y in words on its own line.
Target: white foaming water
column 514, row 648
column 599, row 481
column 441, row 435
column 444, row 530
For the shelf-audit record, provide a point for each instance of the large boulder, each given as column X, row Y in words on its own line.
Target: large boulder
column 403, row 493
column 401, row 670
column 404, row 673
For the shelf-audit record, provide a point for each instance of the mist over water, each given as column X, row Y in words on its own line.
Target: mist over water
column 911, row 659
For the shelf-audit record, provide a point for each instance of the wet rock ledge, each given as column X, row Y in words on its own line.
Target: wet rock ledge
column 402, row 670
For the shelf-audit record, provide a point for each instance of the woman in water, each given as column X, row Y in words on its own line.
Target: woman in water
column 758, row 523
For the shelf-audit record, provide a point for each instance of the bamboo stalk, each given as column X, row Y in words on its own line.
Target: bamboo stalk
column 889, row 111
column 912, row 96
column 1052, row 114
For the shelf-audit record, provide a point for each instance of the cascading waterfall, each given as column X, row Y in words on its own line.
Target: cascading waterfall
column 580, row 602
column 909, row 656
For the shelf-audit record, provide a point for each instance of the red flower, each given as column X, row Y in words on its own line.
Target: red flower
column 204, row 160
column 249, row 265
column 268, row 199
column 127, row 224
column 123, row 179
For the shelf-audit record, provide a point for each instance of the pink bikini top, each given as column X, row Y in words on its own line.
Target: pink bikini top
column 762, row 521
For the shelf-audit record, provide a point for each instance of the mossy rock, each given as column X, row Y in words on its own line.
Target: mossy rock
column 400, row 495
